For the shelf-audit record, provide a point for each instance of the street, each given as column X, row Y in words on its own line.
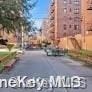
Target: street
column 37, row 64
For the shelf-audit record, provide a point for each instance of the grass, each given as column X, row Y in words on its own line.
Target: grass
column 86, row 53
column 1, row 67
column 5, row 57
column 82, row 55
column 2, row 54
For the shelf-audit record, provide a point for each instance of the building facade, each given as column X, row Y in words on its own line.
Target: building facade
column 70, row 24
column 65, row 18
column 86, row 14
column 82, row 40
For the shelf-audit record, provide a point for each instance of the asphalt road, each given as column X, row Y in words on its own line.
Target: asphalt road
column 37, row 64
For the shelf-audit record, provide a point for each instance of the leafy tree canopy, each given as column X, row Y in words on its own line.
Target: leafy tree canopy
column 12, row 13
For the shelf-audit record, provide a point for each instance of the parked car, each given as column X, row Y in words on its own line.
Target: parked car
column 54, row 51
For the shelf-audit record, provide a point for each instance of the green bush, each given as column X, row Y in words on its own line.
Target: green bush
column 10, row 46
column 1, row 67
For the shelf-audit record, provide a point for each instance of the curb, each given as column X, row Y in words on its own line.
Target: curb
column 9, row 65
column 85, row 60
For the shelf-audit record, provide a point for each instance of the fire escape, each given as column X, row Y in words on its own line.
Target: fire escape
column 52, row 22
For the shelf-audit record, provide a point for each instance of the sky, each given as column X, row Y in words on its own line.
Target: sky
column 40, row 11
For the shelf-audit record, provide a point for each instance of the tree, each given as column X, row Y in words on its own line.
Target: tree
column 14, row 14
column 9, row 14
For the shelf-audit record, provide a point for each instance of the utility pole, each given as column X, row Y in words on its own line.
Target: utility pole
column 22, row 37
column 84, row 33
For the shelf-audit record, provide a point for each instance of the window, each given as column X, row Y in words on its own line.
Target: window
column 65, row 1
column 70, row 26
column 70, row 18
column 76, row 1
column 65, row 26
column 89, row 27
column 65, row 10
column 64, row 34
column 76, row 19
column 89, row 5
column 70, row 1
column 76, row 27
column 89, row 1
column 76, row 11
column 70, row 9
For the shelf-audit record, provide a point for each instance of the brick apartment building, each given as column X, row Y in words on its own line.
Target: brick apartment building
column 86, row 14
column 70, row 23
column 14, row 38
column 65, row 18
column 11, row 37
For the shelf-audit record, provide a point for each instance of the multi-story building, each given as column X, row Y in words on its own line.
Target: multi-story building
column 65, row 18
column 70, row 23
column 86, row 14
column 11, row 37
column 14, row 37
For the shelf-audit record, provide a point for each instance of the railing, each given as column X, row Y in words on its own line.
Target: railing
column 52, row 8
column 52, row 24
column 52, row 17
column 52, row 36
column 52, row 29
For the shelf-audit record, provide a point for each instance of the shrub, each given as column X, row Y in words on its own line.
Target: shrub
column 10, row 46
